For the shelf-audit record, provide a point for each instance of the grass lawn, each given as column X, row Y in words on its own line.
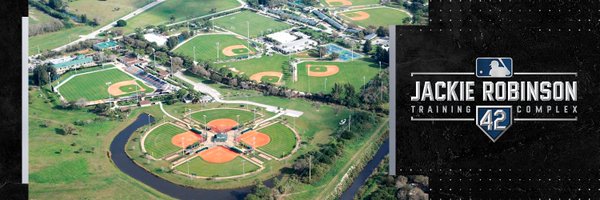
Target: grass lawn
column 65, row 172
column 259, row 25
column 245, row 116
column 199, row 167
column 49, row 41
column 158, row 143
column 206, row 46
column 253, row 66
column 38, row 17
column 105, row 11
column 354, row 3
column 350, row 72
column 379, row 17
column 180, row 9
column 282, row 142
column 59, row 170
column 93, row 86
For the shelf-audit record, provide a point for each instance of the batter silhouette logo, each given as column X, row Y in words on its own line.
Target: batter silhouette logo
column 492, row 100
column 488, row 67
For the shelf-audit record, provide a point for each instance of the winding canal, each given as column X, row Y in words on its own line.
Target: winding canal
column 126, row 165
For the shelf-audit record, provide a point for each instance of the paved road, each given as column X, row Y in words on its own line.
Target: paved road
column 111, row 25
column 201, row 87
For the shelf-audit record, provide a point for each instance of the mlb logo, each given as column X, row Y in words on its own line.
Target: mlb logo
column 493, row 120
column 494, row 67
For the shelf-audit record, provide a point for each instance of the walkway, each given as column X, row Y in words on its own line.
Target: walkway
column 201, row 87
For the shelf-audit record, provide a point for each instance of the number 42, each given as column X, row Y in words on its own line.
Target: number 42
column 486, row 120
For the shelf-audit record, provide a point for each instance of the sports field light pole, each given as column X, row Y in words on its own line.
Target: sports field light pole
column 325, row 87
column 248, row 33
column 364, row 82
column 380, row 82
column 194, row 53
column 243, row 166
column 217, row 51
column 205, row 125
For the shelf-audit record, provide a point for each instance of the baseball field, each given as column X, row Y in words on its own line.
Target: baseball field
column 313, row 78
column 158, row 142
column 245, row 116
column 282, row 141
column 230, row 46
column 199, row 167
column 382, row 16
column 258, row 25
column 258, row 65
column 335, row 3
column 178, row 10
column 97, row 85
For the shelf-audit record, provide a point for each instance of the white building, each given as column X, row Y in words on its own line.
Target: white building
column 287, row 42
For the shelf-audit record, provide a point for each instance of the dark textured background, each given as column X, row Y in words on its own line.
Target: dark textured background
column 10, row 100
column 532, row 159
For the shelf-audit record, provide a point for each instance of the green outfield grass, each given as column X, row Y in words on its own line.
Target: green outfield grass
column 93, row 86
column 199, row 167
column 259, row 25
column 158, row 143
column 354, row 3
column 253, row 66
column 206, row 46
column 180, row 9
column 350, row 72
column 378, row 17
column 282, row 142
column 245, row 116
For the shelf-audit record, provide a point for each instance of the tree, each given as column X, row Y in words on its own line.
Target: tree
column 322, row 51
column 177, row 64
column 367, row 47
column 68, row 129
column 381, row 31
column 56, row 4
column 334, row 56
column 382, row 55
column 43, row 74
column 172, row 42
column 121, row 23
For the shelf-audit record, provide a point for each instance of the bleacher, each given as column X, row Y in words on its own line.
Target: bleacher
column 294, row 17
column 328, row 19
column 149, row 78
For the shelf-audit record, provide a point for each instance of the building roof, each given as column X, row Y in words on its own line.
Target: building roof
column 105, row 45
column 282, row 37
column 371, row 36
column 80, row 59
column 145, row 102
